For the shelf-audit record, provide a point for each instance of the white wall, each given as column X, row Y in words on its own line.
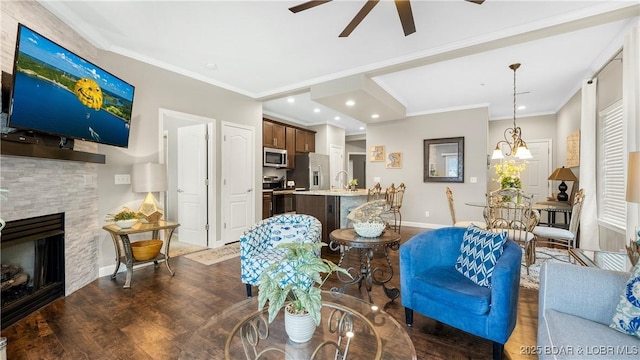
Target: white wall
column 327, row 135
column 407, row 136
column 609, row 90
column 158, row 88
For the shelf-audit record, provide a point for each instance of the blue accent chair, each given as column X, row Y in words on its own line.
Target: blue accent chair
column 432, row 286
column 258, row 244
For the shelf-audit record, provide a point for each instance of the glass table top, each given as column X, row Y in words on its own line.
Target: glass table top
column 608, row 260
column 242, row 332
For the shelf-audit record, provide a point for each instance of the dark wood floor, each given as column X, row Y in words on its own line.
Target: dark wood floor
column 154, row 318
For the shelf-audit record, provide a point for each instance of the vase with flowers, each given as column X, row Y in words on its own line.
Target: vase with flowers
column 353, row 184
column 508, row 173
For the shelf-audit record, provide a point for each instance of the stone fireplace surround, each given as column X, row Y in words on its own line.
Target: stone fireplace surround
column 40, row 187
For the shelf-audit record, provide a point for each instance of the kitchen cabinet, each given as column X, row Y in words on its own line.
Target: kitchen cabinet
column 324, row 208
column 267, row 204
column 290, row 135
column 273, row 135
column 305, row 141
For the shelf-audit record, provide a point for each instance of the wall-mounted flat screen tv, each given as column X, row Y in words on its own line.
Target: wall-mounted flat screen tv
column 57, row 92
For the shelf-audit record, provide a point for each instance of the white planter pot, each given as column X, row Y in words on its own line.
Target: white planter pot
column 299, row 327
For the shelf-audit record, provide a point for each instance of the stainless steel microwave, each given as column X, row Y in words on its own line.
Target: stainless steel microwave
column 275, row 157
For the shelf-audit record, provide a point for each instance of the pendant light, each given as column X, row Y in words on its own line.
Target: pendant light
column 517, row 146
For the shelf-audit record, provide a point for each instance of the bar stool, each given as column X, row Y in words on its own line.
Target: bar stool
column 394, row 198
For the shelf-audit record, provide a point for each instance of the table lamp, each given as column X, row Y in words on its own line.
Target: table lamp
column 149, row 178
column 633, row 195
column 562, row 174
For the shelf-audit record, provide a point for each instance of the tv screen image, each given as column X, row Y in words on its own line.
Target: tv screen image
column 57, row 92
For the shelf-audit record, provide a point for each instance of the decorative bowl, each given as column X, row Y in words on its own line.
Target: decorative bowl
column 125, row 224
column 369, row 229
column 146, row 249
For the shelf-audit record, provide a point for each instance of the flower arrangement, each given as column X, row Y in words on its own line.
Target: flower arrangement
column 509, row 174
column 353, row 182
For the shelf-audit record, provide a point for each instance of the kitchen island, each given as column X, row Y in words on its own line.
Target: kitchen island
column 331, row 207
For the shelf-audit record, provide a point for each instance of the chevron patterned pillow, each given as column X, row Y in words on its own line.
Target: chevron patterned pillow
column 479, row 252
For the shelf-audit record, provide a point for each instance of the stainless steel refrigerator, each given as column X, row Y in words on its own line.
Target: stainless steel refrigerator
column 311, row 172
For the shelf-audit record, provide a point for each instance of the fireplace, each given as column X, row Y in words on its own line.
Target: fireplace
column 32, row 265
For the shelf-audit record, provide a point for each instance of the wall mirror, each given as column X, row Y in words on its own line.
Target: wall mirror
column 444, row 160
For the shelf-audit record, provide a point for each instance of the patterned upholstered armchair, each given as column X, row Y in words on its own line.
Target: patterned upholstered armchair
column 258, row 244
column 435, row 286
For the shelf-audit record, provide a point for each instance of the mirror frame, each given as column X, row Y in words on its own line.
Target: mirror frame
column 455, row 140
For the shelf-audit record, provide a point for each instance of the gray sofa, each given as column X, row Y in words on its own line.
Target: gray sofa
column 576, row 305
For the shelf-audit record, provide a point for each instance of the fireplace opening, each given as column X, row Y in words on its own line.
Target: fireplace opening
column 32, row 265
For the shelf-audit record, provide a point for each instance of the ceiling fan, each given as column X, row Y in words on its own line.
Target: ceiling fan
column 403, row 7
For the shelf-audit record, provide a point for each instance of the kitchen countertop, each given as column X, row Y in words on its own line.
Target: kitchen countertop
column 334, row 192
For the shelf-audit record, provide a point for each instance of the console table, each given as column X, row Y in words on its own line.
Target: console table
column 121, row 236
column 345, row 239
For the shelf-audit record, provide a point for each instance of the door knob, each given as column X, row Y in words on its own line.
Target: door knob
column 249, row 190
column 180, row 190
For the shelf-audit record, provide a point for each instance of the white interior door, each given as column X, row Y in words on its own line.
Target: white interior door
column 534, row 178
column 238, row 181
column 336, row 164
column 192, row 184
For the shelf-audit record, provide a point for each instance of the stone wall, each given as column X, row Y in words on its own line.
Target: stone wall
column 42, row 186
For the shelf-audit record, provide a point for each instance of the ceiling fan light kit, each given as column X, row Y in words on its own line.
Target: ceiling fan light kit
column 403, row 6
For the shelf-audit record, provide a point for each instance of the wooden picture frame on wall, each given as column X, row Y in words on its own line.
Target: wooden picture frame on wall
column 376, row 153
column 573, row 149
column 394, row 160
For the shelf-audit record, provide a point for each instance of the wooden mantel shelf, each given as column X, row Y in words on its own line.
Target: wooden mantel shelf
column 49, row 152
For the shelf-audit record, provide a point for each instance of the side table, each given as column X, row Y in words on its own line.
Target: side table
column 608, row 260
column 345, row 239
column 552, row 208
column 119, row 235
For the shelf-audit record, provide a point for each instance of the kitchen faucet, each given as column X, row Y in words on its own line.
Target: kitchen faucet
column 346, row 178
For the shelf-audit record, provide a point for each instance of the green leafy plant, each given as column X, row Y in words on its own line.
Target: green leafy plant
column 353, row 182
column 125, row 214
column 303, row 291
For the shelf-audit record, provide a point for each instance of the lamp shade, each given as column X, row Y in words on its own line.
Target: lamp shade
column 149, row 177
column 563, row 174
column 633, row 177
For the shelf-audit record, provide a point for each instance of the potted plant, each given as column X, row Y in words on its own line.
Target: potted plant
column 297, row 278
column 353, row 184
column 125, row 218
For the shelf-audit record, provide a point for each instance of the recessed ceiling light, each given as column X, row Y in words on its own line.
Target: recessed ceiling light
column 212, row 66
column 336, row 118
column 522, row 107
column 361, row 127
column 316, row 110
column 350, row 103
column 291, row 100
column 375, row 116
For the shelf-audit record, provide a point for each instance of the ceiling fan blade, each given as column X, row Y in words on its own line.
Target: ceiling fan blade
column 479, row 2
column 307, row 5
column 406, row 16
column 370, row 4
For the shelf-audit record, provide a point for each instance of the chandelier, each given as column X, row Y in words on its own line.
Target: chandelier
column 517, row 146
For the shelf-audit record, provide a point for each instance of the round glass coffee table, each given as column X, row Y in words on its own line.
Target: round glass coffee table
column 350, row 329
column 346, row 239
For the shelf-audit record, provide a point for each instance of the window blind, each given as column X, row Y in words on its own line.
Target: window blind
column 611, row 202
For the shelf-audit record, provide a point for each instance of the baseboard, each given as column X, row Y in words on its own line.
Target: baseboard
column 108, row 270
column 423, row 225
